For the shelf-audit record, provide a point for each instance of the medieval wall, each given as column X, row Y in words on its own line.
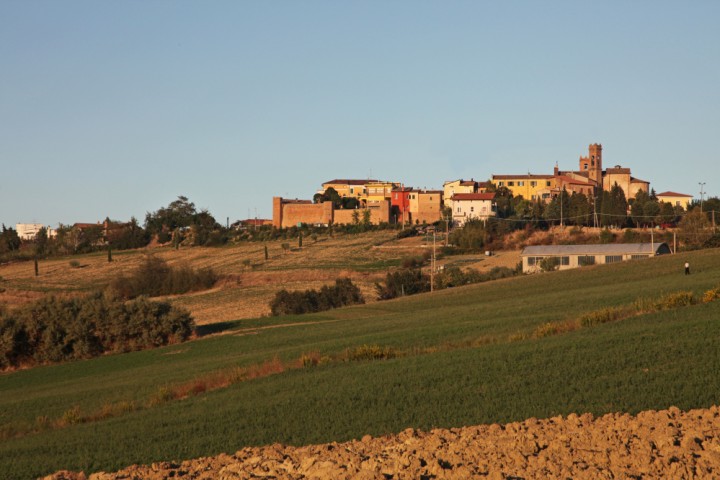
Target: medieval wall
column 379, row 213
column 288, row 213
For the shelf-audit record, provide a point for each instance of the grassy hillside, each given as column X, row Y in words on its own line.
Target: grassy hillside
column 250, row 281
column 464, row 356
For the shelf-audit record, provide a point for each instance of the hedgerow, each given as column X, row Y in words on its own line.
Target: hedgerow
column 53, row 330
column 344, row 292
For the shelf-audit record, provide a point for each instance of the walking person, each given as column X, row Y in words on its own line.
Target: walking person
column 687, row 268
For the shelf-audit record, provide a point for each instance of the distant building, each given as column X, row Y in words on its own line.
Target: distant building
column 675, row 199
column 530, row 186
column 347, row 187
column 452, row 187
column 591, row 171
column 291, row 213
column 574, row 256
column 253, row 223
column 470, row 206
column 589, row 179
column 28, row 231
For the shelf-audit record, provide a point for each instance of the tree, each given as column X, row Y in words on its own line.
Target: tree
column 503, row 200
column 9, row 240
column 178, row 214
column 694, row 229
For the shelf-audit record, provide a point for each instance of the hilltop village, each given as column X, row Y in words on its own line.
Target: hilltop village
column 345, row 201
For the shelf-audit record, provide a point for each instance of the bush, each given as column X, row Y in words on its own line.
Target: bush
column 74, row 264
column 606, row 236
column 549, row 264
column 52, row 330
column 154, row 277
column 343, row 293
column 370, row 352
column 403, row 282
column 604, row 315
column 675, row 300
column 711, row 295
column 408, row 232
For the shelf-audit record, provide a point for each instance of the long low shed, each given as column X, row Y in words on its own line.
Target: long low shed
column 563, row 257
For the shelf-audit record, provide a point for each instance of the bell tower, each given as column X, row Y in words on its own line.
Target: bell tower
column 592, row 164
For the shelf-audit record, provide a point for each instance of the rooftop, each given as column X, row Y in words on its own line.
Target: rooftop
column 599, row 249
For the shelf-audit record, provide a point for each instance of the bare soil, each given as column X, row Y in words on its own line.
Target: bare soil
column 654, row 444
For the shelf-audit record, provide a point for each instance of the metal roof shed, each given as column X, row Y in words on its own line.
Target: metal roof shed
column 573, row 256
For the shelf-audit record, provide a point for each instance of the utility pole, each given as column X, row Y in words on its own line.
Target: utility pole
column 432, row 266
column 702, row 193
column 652, row 241
column 674, row 243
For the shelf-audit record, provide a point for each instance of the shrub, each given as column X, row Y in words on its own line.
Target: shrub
column 403, row 282
column 370, row 352
column 343, row 293
column 413, row 262
column 675, row 300
column 711, row 295
column 74, row 264
column 154, row 277
column 408, row 232
column 52, row 330
column 549, row 264
column 606, row 236
column 604, row 315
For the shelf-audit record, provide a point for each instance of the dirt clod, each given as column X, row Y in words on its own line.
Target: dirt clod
column 663, row 444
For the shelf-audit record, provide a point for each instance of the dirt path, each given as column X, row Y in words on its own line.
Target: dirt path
column 664, row 444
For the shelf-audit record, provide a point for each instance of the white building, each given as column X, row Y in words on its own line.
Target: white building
column 469, row 206
column 28, row 231
column 574, row 256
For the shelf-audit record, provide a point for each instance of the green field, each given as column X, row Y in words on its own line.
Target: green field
column 465, row 356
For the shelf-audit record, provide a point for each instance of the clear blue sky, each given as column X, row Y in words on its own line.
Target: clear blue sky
column 114, row 108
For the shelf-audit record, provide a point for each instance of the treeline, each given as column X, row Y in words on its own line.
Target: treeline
column 53, row 330
column 410, row 281
column 607, row 209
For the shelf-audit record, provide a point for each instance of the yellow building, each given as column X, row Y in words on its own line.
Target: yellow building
column 376, row 191
column 347, row 187
column 530, row 187
column 675, row 199
column 425, row 206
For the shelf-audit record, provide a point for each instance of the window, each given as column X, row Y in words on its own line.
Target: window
column 533, row 183
column 459, row 210
column 639, row 257
column 584, row 260
column 565, row 261
column 511, row 184
column 613, row 258
column 547, row 184
column 521, row 184
column 500, row 184
column 472, row 209
column 532, row 261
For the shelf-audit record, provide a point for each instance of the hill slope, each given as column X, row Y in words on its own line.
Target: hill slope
column 463, row 356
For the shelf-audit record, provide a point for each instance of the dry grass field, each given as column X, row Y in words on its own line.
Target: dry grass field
column 248, row 281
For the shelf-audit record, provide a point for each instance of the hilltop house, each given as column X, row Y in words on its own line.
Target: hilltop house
column 469, row 206
column 675, row 199
column 574, row 256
